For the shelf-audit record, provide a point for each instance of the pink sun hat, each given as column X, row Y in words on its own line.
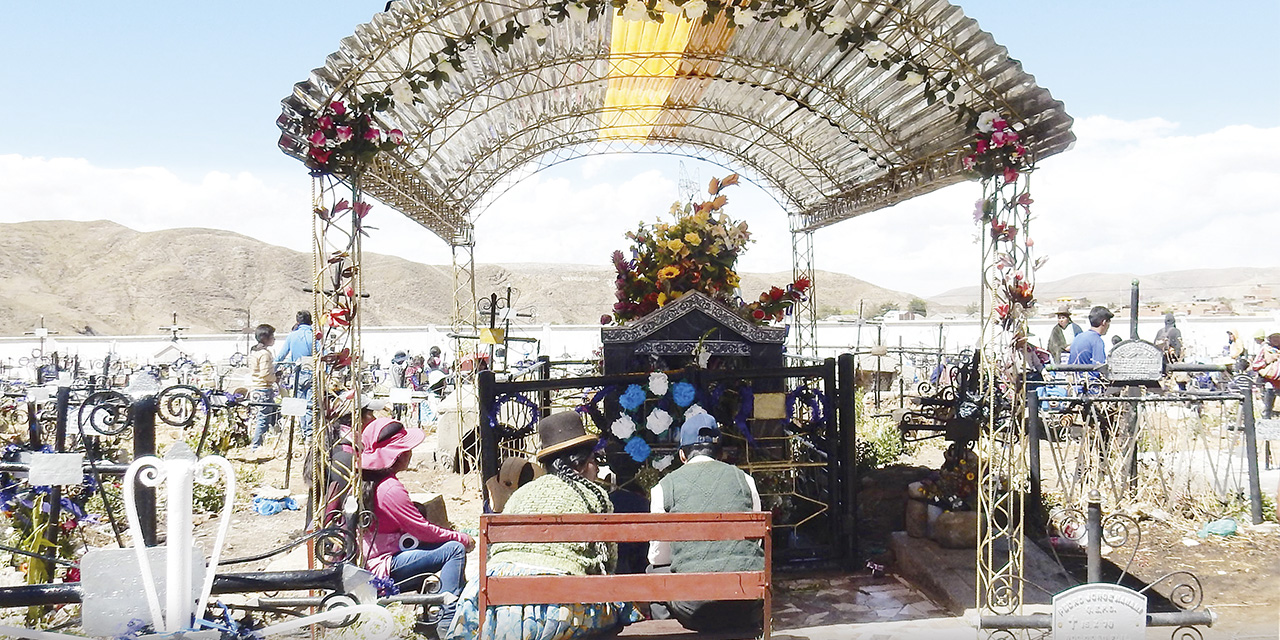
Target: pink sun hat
column 384, row 439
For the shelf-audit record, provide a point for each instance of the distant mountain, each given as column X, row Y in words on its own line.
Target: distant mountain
column 1233, row 286
column 110, row 279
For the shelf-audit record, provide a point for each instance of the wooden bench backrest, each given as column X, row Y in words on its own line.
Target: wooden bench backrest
column 626, row 527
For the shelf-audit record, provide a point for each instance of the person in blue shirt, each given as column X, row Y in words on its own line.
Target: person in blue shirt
column 298, row 349
column 1089, row 347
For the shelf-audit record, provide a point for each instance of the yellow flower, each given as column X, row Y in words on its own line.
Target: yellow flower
column 692, row 238
column 668, row 272
column 675, row 295
column 662, row 299
column 676, row 246
column 731, row 279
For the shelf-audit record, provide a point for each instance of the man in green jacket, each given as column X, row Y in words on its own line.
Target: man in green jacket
column 704, row 484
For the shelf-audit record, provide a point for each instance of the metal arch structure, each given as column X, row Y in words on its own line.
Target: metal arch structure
column 836, row 107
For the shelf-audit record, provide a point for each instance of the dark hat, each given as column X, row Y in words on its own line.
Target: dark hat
column 561, row 432
column 699, row 428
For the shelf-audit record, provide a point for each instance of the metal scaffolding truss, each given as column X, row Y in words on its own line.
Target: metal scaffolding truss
column 831, row 135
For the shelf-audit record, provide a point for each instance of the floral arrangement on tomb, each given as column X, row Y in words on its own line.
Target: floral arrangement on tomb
column 342, row 138
column 955, row 486
column 697, row 252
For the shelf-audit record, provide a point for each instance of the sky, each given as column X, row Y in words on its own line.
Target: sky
column 159, row 116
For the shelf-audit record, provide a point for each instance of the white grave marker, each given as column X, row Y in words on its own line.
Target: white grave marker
column 56, row 469
column 293, row 407
column 1099, row 612
column 111, row 584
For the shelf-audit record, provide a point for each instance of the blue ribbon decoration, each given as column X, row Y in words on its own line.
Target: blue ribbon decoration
column 816, row 401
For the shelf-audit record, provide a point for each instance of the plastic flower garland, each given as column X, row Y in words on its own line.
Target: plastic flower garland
column 341, row 139
column 938, row 82
column 997, row 149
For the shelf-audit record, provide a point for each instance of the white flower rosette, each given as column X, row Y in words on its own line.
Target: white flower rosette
column 659, row 384
column 623, row 427
column 658, row 421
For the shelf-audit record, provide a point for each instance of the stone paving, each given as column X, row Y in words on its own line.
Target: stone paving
column 840, row 599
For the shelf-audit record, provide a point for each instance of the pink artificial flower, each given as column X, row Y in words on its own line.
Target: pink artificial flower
column 1030, row 243
column 977, row 210
column 342, row 205
column 981, row 147
column 325, row 122
column 396, row 136
column 337, row 108
column 1024, row 199
column 320, row 155
column 1010, row 174
column 362, row 209
column 317, row 139
column 968, row 162
column 606, row 319
column 344, row 134
column 372, row 133
column 999, row 124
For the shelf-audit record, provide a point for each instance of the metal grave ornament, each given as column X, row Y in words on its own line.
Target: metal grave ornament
column 1099, row 612
column 1135, row 361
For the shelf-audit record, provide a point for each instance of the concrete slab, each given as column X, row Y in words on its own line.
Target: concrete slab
column 949, row 576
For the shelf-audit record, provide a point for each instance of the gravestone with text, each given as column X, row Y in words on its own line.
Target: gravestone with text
column 1135, row 361
column 1099, row 612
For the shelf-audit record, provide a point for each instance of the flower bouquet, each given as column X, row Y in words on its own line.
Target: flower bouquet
column 342, row 139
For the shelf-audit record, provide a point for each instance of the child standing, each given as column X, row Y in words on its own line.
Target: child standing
column 262, row 374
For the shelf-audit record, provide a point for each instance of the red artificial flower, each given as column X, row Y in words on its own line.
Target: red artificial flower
column 344, row 134
column 606, row 319
column 73, row 575
column 372, row 133
column 802, row 284
column 981, row 147
column 396, row 136
column 776, row 294
column 362, row 208
column 325, row 122
column 337, row 108
column 1010, row 174
column 317, row 139
column 320, row 155
column 758, row 314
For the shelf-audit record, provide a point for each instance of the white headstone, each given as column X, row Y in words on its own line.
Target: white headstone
column 56, row 469
column 1099, row 612
column 113, row 594
column 294, row 407
column 1135, row 361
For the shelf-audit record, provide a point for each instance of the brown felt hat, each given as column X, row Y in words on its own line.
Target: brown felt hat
column 561, row 432
column 1064, row 310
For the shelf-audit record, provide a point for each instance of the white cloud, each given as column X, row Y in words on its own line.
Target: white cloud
column 1130, row 197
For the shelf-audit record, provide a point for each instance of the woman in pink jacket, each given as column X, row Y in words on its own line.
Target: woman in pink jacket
column 401, row 544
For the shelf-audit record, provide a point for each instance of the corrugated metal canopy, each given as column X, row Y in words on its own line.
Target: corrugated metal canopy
column 827, row 132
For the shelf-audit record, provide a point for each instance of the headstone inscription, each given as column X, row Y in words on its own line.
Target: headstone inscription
column 1135, row 361
column 1099, row 612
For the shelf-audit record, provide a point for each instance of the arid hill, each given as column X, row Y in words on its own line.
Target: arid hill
column 115, row 281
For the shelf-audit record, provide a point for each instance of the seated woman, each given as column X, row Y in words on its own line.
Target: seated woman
column 426, row 548
column 568, row 452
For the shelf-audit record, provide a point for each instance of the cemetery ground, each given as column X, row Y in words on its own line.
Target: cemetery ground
column 1240, row 574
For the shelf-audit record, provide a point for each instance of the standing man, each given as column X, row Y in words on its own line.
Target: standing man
column 298, row 348
column 1089, row 347
column 704, row 484
column 1169, row 339
column 1058, row 341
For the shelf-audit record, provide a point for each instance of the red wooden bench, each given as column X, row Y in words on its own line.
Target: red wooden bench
column 626, row 527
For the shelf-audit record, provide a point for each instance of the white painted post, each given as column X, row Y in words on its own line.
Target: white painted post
column 180, row 464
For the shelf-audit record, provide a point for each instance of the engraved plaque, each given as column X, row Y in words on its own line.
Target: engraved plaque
column 1099, row 612
column 1135, row 361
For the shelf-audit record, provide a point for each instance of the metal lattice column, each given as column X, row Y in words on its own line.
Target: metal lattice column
column 804, row 325
column 465, row 328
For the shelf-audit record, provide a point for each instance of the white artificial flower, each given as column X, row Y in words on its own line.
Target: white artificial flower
column 834, row 26
column 670, row 7
column 985, row 121
column 659, row 384
column 402, row 92
column 693, row 410
column 704, row 358
column 877, row 50
column 662, row 463
column 658, row 421
column 578, row 12
column 623, row 427
column 635, row 11
column 694, row 9
column 538, row 31
column 912, row 78
column 792, row 19
column 744, row 17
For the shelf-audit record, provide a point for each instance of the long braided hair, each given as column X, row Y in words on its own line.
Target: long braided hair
column 566, row 465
